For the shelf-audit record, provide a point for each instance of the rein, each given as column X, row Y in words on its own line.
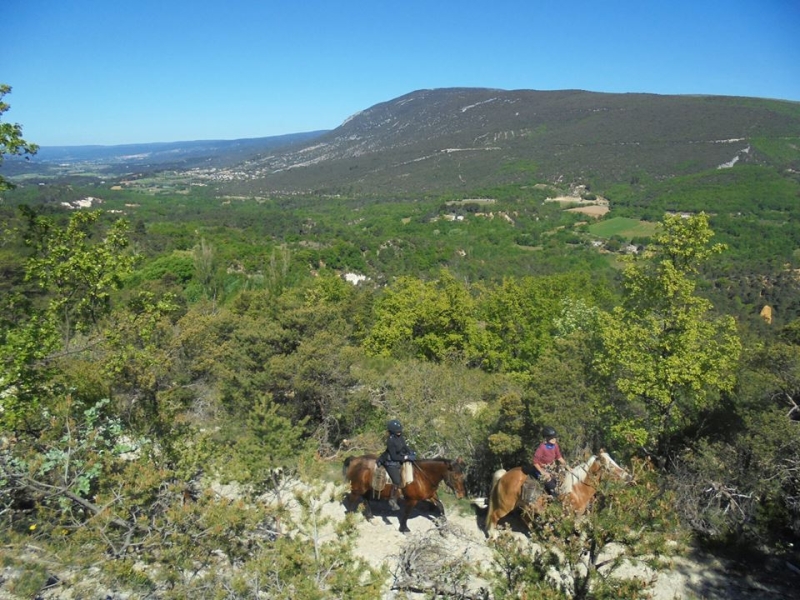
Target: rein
column 577, row 478
column 590, row 481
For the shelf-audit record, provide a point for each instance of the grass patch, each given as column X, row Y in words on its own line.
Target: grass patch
column 623, row 227
column 782, row 150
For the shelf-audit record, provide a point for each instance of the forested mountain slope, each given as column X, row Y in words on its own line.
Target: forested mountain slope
column 457, row 139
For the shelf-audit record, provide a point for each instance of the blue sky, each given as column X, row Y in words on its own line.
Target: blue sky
column 115, row 71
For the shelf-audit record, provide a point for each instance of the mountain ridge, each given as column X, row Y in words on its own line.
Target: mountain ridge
column 456, row 139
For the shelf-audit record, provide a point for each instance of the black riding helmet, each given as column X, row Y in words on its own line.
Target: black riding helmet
column 548, row 432
column 394, row 426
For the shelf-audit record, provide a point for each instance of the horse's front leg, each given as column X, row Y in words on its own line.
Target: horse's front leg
column 409, row 506
column 351, row 502
column 438, row 504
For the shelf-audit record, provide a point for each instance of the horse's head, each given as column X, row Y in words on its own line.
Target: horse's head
column 610, row 466
column 454, row 477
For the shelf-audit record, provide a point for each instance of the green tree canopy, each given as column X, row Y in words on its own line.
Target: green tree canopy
column 665, row 351
column 432, row 320
column 76, row 273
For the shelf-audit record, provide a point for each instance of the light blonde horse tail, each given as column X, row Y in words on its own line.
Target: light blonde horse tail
column 492, row 499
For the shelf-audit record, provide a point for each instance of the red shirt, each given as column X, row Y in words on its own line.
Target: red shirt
column 545, row 455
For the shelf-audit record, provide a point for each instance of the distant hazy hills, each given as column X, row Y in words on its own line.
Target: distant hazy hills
column 154, row 156
column 431, row 141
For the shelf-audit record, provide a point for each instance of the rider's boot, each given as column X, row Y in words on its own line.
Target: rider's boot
column 393, row 496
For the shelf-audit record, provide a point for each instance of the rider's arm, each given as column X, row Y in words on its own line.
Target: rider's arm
column 542, row 470
column 559, row 458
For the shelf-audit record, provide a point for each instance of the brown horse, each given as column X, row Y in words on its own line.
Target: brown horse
column 358, row 470
column 576, row 491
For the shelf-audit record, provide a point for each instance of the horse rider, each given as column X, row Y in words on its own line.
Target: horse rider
column 397, row 452
column 547, row 454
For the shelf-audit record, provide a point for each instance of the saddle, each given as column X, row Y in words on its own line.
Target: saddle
column 531, row 490
column 380, row 478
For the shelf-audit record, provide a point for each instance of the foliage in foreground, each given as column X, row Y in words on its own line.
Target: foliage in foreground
column 211, row 546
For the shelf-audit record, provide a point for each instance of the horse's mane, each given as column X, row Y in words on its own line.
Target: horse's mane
column 614, row 466
column 576, row 474
column 607, row 457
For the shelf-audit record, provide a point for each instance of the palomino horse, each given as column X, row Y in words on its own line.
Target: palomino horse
column 577, row 488
column 358, row 470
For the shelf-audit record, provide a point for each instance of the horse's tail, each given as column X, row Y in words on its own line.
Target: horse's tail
column 497, row 475
column 488, row 525
column 346, row 466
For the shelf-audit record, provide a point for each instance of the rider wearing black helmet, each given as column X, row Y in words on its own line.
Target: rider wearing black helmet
column 547, row 454
column 396, row 452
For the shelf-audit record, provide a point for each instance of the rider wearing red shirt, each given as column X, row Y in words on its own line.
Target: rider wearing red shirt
column 546, row 455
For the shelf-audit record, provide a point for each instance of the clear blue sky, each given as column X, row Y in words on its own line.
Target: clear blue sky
column 117, row 71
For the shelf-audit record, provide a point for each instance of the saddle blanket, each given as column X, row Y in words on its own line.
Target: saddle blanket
column 407, row 473
column 379, row 479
